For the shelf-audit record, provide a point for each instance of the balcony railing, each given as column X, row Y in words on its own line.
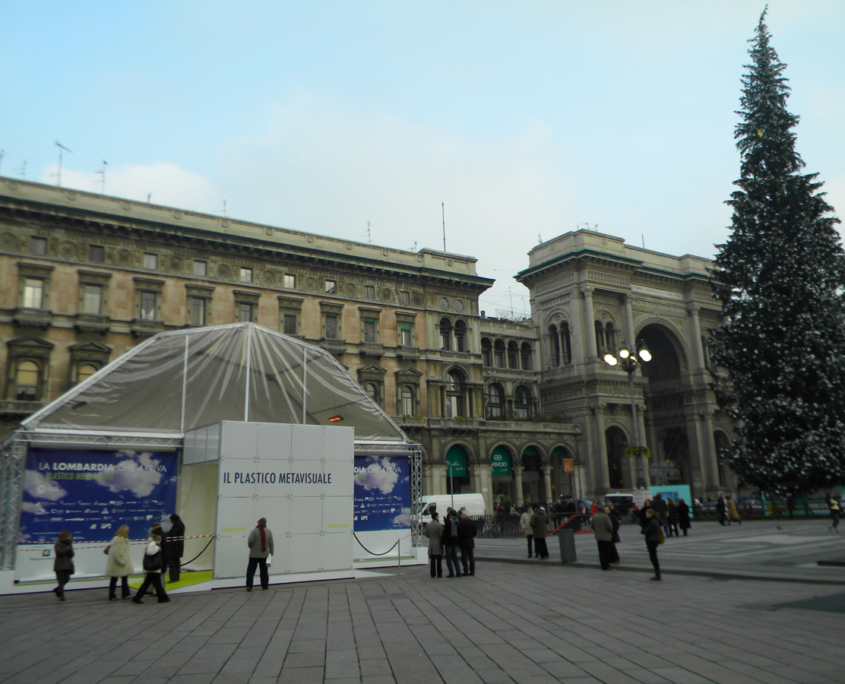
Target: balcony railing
column 375, row 349
column 144, row 328
column 33, row 318
column 19, row 408
column 91, row 323
column 333, row 346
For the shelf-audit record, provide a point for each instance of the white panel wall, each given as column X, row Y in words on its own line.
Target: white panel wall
column 299, row 477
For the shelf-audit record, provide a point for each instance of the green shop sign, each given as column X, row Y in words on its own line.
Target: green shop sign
column 456, row 462
column 500, row 462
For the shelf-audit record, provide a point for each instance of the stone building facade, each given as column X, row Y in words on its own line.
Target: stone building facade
column 591, row 293
column 85, row 277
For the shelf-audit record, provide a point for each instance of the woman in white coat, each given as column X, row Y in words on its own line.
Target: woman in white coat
column 119, row 563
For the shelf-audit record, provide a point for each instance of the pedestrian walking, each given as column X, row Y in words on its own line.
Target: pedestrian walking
column 63, row 563
column 434, row 532
column 672, row 517
column 790, row 505
column 603, row 531
column 653, row 538
column 540, row 527
column 466, row 540
column 835, row 509
column 119, row 563
column 617, row 523
column 733, row 512
column 525, row 524
column 660, row 507
column 641, row 516
column 722, row 510
column 152, row 570
column 450, row 542
column 260, row 543
column 683, row 516
column 175, row 547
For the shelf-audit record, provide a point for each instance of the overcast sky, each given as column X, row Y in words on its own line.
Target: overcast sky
column 527, row 119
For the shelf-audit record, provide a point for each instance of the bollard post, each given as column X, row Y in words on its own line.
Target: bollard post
column 399, row 553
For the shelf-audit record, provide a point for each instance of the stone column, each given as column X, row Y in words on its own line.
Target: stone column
column 517, row 483
column 711, row 476
column 696, row 331
column 547, row 482
column 629, row 323
column 603, row 472
column 589, row 323
column 645, row 461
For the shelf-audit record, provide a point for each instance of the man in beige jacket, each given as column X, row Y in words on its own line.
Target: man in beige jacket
column 260, row 542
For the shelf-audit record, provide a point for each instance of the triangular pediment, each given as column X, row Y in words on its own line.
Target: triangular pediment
column 409, row 373
column 30, row 342
column 90, row 347
column 372, row 369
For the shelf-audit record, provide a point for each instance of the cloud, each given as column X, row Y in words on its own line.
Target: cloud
column 135, row 474
column 39, row 487
column 403, row 519
column 165, row 182
column 380, row 473
column 35, row 508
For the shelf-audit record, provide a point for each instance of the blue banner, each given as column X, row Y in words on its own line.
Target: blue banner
column 92, row 493
column 382, row 493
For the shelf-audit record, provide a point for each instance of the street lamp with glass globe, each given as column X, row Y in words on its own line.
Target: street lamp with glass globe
column 629, row 360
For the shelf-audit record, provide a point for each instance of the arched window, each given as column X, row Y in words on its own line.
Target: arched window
column 85, row 372
column 499, row 354
column 610, row 337
column 455, row 400
column 486, row 352
column 372, row 391
column 600, row 342
column 446, row 334
column 461, row 336
column 522, row 403
column 495, row 401
column 407, row 400
column 554, row 346
column 526, row 356
column 27, row 381
column 513, row 355
column 566, row 343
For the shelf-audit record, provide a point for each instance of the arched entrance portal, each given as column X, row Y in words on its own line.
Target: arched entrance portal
column 616, row 442
column 532, row 486
column 457, row 472
column 664, row 398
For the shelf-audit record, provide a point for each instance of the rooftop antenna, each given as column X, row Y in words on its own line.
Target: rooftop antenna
column 149, row 194
column 102, row 174
column 62, row 150
column 642, row 235
column 224, row 207
column 414, row 248
column 539, row 238
column 443, row 210
column 2, row 154
column 23, row 170
column 369, row 236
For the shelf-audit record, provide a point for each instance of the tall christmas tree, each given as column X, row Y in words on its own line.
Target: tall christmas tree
column 780, row 278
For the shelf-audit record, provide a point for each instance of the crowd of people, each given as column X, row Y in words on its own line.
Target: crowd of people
column 457, row 531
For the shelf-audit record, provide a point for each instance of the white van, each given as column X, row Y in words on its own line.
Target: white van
column 474, row 503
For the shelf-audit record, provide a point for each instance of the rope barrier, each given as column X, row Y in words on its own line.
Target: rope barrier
column 372, row 553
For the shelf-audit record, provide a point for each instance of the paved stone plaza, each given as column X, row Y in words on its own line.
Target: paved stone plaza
column 513, row 622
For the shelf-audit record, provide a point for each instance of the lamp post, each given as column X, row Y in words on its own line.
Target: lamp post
column 629, row 360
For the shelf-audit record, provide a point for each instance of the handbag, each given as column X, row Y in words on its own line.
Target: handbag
column 269, row 559
column 106, row 550
column 152, row 563
column 660, row 537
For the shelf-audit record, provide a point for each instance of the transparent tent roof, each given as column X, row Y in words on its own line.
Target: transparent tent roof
column 178, row 381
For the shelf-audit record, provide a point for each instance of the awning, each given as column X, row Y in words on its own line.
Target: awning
column 500, row 462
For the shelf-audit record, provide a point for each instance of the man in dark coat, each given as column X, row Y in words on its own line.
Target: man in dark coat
column 466, row 540
column 683, row 516
column 175, row 547
column 660, row 507
column 540, row 527
column 790, row 505
column 450, row 542
column 722, row 510
column 603, row 530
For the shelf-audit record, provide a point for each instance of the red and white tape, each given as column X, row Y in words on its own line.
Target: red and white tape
column 131, row 541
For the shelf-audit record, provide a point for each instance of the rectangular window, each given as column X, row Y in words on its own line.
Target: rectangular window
column 404, row 298
column 198, row 310
column 331, row 327
column 331, row 287
column 96, row 253
column 38, row 246
column 92, row 299
column 200, row 268
column 405, row 337
column 151, row 262
column 148, row 306
column 290, row 281
column 369, row 330
column 33, row 293
column 289, row 321
column 246, row 275
column 370, row 291
column 244, row 313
